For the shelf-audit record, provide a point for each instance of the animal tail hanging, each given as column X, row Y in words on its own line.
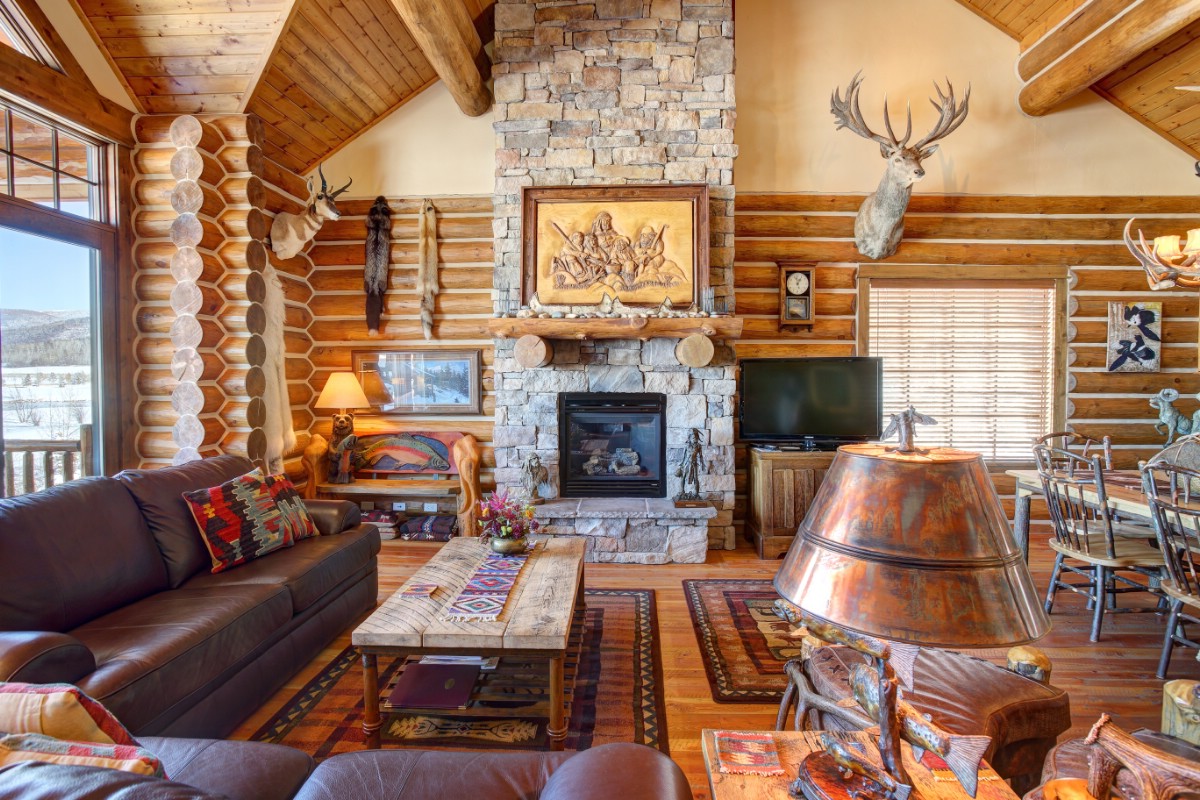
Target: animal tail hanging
column 427, row 280
column 378, row 258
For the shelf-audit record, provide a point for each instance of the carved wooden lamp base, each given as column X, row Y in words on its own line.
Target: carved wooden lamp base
column 820, row 778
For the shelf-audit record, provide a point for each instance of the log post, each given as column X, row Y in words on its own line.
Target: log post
column 695, row 351
column 447, row 37
column 533, row 351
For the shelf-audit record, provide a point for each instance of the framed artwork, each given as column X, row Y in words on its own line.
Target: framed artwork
column 637, row 244
column 1134, row 336
column 421, row 381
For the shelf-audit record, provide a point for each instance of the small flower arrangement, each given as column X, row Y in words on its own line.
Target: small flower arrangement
column 505, row 517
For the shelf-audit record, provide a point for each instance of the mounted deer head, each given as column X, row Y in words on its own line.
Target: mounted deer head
column 291, row 232
column 879, row 225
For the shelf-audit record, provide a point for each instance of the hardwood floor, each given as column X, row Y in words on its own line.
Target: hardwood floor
column 1114, row 675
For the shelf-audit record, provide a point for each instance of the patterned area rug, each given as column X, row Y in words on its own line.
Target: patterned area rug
column 617, row 695
column 743, row 644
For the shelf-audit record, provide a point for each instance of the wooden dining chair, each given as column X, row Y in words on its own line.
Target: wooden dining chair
column 1078, row 443
column 1110, row 556
column 1170, row 491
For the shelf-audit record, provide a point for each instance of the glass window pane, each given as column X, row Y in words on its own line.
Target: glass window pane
column 33, row 182
column 33, row 140
column 46, row 368
column 76, row 197
column 75, row 156
column 4, row 129
column 3, row 174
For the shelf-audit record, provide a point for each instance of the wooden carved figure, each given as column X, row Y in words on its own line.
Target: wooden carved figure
column 879, row 225
column 291, row 232
column 341, row 449
column 466, row 457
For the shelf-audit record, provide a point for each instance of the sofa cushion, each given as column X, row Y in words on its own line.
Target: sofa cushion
column 240, row 521
column 153, row 653
column 291, row 506
column 238, row 770
column 18, row 747
column 309, row 569
column 34, row 780
column 61, row 711
column 72, row 553
column 159, row 495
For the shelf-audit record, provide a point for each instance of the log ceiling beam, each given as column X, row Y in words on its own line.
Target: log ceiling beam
column 1088, row 46
column 446, row 35
column 25, row 80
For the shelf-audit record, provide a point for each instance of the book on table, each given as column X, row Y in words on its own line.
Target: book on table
column 434, row 686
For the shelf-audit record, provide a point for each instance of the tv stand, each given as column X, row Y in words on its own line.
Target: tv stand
column 781, row 486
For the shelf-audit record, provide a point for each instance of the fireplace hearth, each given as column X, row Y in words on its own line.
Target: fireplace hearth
column 612, row 444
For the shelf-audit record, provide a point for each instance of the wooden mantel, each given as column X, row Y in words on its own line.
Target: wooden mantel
column 617, row 328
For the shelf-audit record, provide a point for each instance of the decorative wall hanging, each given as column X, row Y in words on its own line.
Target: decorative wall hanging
column 291, row 232
column 421, row 381
column 879, row 225
column 634, row 245
column 378, row 260
column 1134, row 331
column 427, row 278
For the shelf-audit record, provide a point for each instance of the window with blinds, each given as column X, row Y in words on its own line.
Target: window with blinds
column 978, row 357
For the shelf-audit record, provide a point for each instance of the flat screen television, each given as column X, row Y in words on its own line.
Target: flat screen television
column 817, row 403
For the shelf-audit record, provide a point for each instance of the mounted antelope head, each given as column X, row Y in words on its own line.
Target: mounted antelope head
column 880, row 221
column 290, row 232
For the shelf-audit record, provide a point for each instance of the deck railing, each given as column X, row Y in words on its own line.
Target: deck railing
column 32, row 465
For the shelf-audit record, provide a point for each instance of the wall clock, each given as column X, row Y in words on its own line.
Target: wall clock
column 796, row 299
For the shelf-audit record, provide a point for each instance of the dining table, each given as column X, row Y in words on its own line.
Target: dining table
column 1122, row 486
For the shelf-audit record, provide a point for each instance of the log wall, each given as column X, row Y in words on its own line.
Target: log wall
column 204, row 199
column 463, row 303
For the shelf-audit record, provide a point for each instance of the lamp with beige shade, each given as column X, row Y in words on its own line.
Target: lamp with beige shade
column 343, row 392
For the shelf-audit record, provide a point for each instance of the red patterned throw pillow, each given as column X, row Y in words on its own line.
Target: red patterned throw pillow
column 18, row 747
column 59, row 710
column 241, row 519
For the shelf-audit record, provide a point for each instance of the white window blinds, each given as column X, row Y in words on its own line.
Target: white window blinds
column 977, row 357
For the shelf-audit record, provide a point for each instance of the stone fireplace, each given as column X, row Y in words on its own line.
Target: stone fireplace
column 617, row 92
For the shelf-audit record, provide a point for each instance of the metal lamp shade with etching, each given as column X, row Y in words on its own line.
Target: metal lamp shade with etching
column 901, row 549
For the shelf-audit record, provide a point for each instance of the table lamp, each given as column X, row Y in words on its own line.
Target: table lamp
column 904, row 547
column 343, row 392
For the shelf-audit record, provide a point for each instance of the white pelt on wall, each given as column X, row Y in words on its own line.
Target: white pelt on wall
column 281, row 438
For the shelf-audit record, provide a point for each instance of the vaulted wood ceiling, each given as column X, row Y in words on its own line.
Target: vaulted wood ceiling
column 1144, row 86
column 319, row 72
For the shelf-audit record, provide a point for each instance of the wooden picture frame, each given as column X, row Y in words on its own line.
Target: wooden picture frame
column 637, row 244
column 403, row 382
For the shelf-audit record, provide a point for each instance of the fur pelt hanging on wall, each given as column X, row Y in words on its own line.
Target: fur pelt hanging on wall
column 281, row 438
column 378, row 259
column 427, row 278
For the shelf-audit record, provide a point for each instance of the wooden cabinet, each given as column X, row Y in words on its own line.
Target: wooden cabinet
column 782, row 484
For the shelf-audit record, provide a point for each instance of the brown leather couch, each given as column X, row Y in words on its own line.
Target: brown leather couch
column 205, row 770
column 105, row 583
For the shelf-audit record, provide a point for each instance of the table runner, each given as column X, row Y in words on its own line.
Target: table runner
column 483, row 596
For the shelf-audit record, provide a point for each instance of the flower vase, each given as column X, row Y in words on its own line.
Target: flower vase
column 508, row 547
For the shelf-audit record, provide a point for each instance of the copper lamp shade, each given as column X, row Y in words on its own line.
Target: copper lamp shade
column 913, row 548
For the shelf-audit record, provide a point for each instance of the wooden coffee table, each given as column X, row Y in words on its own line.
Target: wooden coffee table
column 535, row 623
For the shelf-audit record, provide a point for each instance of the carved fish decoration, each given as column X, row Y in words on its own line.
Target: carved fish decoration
column 962, row 754
column 403, row 452
column 855, row 762
column 902, row 657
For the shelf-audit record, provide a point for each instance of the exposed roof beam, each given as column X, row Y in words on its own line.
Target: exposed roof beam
column 1091, row 51
column 446, row 35
column 25, row 80
column 285, row 22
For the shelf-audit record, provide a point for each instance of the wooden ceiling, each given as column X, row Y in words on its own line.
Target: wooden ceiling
column 1143, row 85
column 319, row 72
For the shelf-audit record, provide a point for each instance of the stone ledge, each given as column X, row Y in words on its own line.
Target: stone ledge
column 619, row 508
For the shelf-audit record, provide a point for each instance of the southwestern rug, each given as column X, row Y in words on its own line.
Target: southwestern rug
column 742, row 643
column 617, row 694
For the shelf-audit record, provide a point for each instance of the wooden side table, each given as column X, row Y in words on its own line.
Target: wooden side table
column 793, row 746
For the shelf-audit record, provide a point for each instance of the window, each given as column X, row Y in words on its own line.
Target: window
column 978, row 356
column 59, row 387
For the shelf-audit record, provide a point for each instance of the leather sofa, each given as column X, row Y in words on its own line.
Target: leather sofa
column 105, row 583
column 206, row 770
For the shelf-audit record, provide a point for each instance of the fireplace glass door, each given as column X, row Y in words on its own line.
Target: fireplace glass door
column 612, row 445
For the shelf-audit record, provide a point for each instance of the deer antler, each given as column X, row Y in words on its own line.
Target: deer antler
column 1161, row 273
column 321, row 172
column 950, row 116
column 848, row 115
column 344, row 188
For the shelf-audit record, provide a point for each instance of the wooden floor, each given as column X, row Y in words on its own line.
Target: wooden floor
column 1115, row 675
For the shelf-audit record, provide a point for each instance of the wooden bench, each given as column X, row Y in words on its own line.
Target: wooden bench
column 420, row 464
